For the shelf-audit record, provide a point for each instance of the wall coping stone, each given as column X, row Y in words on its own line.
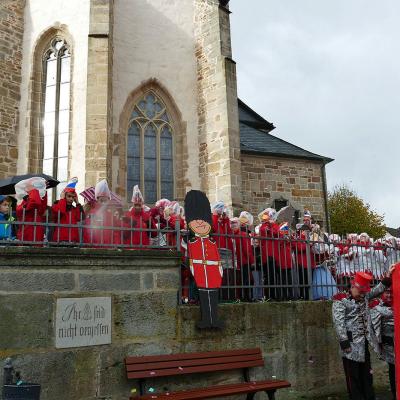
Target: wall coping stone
column 85, row 258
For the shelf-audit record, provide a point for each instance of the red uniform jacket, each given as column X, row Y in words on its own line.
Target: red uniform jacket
column 285, row 253
column 221, row 229
column 31, row 209
column 269, row 248
column 158, row 217
column 300, row 248
column 243, row 249
column 205, row 263
column 171, row 237
column 135, row 220
column 64, row 214
column 95, row 222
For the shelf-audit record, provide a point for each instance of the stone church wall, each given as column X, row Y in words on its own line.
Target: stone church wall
column 43, row 19
column 218, row 129
column 11, row 33
column 154, row 48
column 265, row 179
column 297, row 338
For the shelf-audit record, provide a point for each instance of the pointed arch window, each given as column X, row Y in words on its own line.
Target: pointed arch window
column 56, row 111
column 150, row 149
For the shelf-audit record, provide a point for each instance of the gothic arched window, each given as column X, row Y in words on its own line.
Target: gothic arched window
column 150, row 149
column 56, row 111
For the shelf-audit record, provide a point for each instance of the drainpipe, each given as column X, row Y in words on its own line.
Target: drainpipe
column 325, row 188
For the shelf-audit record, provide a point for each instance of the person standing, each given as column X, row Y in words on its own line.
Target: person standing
column 32, row 209
column 244, row 255
column 64, row 212
column 222, row 233
column 382, row 321
column 6, row 219
column 269, row 250
column 139, row 224
column 101, row 225
column 351, row 322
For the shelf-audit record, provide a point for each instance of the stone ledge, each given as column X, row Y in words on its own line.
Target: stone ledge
column 85, row 258
column 36, row 281
column 109, row 282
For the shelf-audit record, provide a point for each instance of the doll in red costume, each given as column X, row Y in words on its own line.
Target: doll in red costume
column 204, row 259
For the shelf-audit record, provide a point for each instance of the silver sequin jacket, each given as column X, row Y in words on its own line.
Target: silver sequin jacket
column 382, row 322
column 352, row 322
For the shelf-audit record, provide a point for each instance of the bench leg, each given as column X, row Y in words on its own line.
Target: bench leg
column 271, row 394
column 250, row 396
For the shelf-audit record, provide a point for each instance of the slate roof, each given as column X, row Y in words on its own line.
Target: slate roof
column 255, row 138
column 393, row 231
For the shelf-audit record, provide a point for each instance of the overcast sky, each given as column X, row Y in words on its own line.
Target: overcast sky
column 327, row 74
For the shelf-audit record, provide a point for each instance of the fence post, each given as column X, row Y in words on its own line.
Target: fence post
column 8, row 372
column 309, row 270
column 178, row 235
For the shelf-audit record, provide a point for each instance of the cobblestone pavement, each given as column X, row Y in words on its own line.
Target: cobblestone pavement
column 379, row 396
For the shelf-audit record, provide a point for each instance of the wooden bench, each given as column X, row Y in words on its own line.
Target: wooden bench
column 142, row 368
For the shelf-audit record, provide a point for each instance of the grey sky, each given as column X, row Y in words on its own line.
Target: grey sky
column 327, row 74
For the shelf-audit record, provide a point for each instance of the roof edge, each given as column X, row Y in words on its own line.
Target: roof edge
column 270, row 125
column 312, row 155
column 324, row 160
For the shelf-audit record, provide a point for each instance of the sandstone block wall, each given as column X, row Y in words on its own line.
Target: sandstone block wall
column 11, row 35
column 297, row 338
column 45, row 20
column 153, row 49
column 99, row 93
column 218, row 129
column 265, row 179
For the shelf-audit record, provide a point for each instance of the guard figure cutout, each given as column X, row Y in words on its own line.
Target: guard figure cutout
column 205, row 263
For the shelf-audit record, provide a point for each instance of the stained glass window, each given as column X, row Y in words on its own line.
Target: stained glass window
column 150, row 149
column 57, row 82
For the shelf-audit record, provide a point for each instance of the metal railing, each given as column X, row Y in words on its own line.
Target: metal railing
column 258, row 268
column 255, row 267
column 91, row 231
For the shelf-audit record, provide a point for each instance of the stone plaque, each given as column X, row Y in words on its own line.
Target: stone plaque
column 84, row 321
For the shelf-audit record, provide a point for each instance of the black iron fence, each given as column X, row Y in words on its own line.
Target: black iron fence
column 105, row 230
column 291, row 267
column 255, row 267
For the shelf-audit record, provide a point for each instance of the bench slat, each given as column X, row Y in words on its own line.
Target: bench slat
column 217, row 391
column 192, row 370
column 190, row 356
column 192, row 363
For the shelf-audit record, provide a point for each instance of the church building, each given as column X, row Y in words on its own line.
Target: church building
column 142, row 92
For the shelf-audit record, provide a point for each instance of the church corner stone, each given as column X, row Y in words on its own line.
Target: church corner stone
column 217, row 104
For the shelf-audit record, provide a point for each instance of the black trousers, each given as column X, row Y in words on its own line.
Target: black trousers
column 283, row 277
column 269, row 277
column 228, row 281
column 392, row 379
column 359, row 378
column 209, row 309
column 243, row 277
column 303, row 282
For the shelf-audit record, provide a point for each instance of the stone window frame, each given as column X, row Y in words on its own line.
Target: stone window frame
column 143, row 121
column 178, row 129
column 60, row 53
column 281, row 199
column 36, row 90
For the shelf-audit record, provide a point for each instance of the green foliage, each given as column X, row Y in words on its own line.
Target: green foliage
column 350, row 214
